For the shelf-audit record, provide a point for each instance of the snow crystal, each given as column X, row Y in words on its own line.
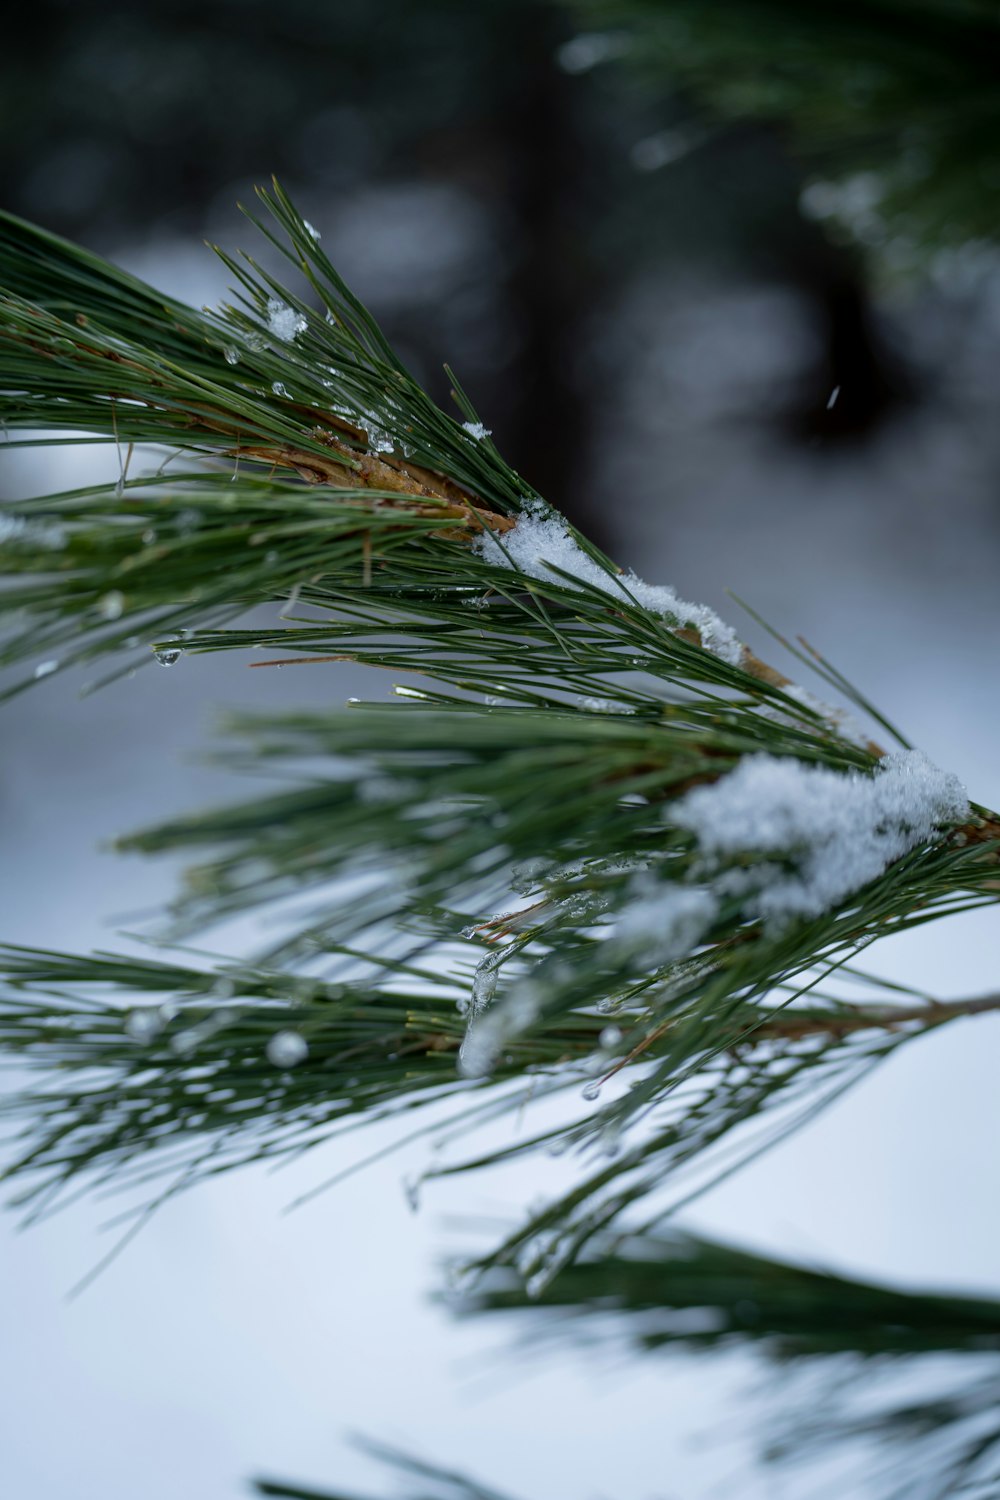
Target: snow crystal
column 540, row 542
column 283, row 321
column 832, row 831
column 603, row 706
column 477, row 430
column 380, row 440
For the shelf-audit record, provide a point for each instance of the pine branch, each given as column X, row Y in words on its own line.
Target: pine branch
column 662, row 1290
column 603, row 841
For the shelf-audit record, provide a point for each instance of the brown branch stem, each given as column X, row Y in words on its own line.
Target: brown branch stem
column 792, row 1026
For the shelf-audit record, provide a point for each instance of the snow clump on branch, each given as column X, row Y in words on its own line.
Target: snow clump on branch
column 540, row 543
column 832, row 831
column 283, row 321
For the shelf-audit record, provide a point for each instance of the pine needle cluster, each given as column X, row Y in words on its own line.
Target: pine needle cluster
column 593, row 847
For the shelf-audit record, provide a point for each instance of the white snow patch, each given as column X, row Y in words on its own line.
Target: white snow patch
column 539, row 543
column 664, row 922
column 833, row 831
column 477, row 430
column 283, row 321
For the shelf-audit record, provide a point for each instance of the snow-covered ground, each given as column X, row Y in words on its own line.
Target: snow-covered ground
column 230, row 1339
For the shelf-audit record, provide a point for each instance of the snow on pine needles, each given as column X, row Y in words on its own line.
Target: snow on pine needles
column 540, row 546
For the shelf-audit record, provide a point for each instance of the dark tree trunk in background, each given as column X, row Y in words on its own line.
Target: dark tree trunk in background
column 553, row 280
column 871, row 380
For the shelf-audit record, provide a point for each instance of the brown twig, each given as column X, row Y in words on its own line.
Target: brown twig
column 792, row 1026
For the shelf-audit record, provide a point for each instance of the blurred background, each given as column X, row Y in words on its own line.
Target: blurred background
column 723, row 281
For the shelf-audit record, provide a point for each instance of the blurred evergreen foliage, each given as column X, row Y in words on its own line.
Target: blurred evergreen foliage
column 934, row 1433
column 896, row 99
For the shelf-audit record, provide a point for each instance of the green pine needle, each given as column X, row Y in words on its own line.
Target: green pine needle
column 469, row 853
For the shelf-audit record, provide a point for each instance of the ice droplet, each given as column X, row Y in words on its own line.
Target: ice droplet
column 610, row 1037
column 111, row 605
column 279, row 388
column 592, row 1090
column 286, row 1048
column 484, row 982
column 313, row 234
column 46, row 668
column 143, row 1025
column 167, row 655
column 232, row 356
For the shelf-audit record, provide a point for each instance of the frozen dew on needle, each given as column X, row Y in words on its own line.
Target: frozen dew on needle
column 488, row 1033
column 46, row 668
column 477, row 430
column 287, row 1048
